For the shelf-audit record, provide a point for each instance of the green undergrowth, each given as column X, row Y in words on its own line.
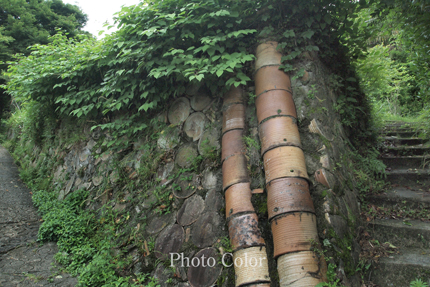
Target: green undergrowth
column 366, row 176
column 423, row 126
column 368, row 170
column 331, row 277
column 418, row 283
column 420, row 123
column 86, row 240
column 3, row 131
column 397, row 118
column 323, row 250
column 93, row 236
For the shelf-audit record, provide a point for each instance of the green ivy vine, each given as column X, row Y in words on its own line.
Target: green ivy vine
column 121, row 82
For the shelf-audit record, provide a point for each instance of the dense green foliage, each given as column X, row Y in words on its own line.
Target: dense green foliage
column 385, row 81
column 396, row 69
column 411, row 27
column 25, row 23
column 165, row 46
column 85, row 244
column 168, row 45
column 85, row 239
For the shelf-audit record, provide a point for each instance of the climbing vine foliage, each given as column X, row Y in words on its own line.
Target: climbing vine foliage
column 164, row 46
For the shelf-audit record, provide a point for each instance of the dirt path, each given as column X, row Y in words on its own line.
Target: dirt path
column 23, row 262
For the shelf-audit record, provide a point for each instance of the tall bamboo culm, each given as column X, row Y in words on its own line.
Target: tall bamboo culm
column 290, row 207
column 249, row 249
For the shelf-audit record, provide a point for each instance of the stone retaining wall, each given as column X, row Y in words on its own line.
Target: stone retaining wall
column 170, row 185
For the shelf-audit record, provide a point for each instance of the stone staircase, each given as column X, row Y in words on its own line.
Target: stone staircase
column 403, row 210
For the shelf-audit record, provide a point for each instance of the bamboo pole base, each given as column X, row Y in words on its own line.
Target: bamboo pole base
column 250, row 266
column 302, row 269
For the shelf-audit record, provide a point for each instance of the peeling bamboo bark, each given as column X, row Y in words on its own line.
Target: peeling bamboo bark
column 249, row 251
column 290, row 206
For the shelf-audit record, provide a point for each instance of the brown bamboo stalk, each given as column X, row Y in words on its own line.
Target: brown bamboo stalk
column 279, row 131
column 287, row 195
column 275, row 103
column 233, row 117
column 284, row 161
column 249, row 252
column 290, row 206
column 238, row 199
column 232, row 144
column 234, row 171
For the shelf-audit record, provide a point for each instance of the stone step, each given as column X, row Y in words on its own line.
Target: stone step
column 401, row 233
column 407, row 163
column 415, row 161
column 409, row 176
column 404, row 141
column 401, row 126
column 398, row 124
column 413, row 197
column 406, row 150
column 400, row 134
column 399, row 130
column 400, row 269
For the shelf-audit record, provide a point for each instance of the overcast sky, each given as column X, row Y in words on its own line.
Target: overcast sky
column 100, row 11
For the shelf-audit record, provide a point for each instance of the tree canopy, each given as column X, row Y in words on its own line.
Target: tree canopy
column 27, row 22
column 31, row 22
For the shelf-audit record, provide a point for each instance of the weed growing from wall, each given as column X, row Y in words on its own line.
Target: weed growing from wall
column 369, row 171
column 85, row 243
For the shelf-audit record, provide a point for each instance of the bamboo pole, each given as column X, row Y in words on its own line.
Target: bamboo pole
column 290, row 206
column 249, row 252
